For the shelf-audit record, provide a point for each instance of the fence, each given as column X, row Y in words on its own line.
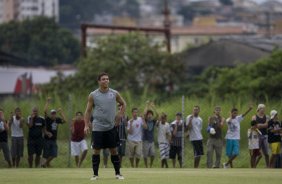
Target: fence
column 169, row 106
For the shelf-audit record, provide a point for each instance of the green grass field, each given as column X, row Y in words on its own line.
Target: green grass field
column 142, row 176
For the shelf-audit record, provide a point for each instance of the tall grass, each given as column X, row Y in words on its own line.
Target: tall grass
column 170, row 106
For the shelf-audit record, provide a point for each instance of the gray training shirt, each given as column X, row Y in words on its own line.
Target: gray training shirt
column 104, row 110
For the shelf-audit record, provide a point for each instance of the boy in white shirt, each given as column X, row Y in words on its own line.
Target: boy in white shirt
column 135, row 128
column 164, row 135
column 253, row 142
column 194, row 124
column 233, row 135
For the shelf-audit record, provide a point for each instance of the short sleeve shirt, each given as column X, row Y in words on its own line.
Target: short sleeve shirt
column 52, row 126
column 233, row 131
column 35, row 131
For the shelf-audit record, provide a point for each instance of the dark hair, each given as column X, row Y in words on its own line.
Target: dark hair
column 149, row 111
column 101, row 75
column 1, row 109
column 134, row 109
column 78, row 112
column 234, row 110
column 17, row 109
column 196, row 106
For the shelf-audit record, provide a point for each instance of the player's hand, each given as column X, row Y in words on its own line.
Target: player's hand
column 49, row 99
column 59, row 110
column 86, row 130
column 49, row 134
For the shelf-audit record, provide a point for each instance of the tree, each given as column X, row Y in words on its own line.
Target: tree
column 133, row 62
column 259, row 80
column 39, row 40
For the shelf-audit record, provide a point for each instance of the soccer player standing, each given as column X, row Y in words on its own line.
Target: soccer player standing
column 102, row 104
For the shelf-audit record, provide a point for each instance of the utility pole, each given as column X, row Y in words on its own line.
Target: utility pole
column 268, row 25
column 167, row 24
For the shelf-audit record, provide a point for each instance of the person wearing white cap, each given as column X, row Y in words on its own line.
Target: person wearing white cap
column 50, row 149
column 262, row 121
column 274, row 138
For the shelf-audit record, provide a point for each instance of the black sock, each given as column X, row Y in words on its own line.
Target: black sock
column 95, row 164
column 116, row 163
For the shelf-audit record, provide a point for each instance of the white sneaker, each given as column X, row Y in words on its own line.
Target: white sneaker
column 119, row 177
column 225, row 166
column 94, row 178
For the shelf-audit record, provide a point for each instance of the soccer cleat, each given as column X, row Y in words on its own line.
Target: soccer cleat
column 119, row 177
column 94, row 178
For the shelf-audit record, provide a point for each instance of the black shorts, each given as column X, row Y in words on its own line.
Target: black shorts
column 198, row 148
column 35, row 146
column 175, row 150
column 50, row 149
column 105, row 139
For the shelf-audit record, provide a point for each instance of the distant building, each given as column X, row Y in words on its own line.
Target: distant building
column 25, row 9
column 228, row 52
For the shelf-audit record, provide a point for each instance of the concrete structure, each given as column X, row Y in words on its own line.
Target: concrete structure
column 25, row 9
column 181, row 37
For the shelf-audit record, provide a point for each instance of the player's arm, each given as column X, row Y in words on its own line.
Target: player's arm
column 62, row 114
column 249, row 110
column 144, row 123
column 87, row 114
column 130, row 126
column 22, row 122
column 174, row 132
column 30, row 120
column 222, row 122
column 152, row 105
column 189, row 122
column 72, row 126
column 122, row 103
column 46, row 107
column 6, row 126
column 10, row 120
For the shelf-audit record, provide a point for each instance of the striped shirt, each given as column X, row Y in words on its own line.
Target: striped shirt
column 121, row 128
column 176, row 139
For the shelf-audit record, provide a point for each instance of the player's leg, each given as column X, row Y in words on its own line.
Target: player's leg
column 38, row 151
column 53, row 152
column 166, row 155
column 264, row 147
column 274, row 147
column 145, row 153
column 13, row 151
column 6, row 153
column 130, row 151
column 111, row 142
column 252, row 158
column 83, row 148
column 258, row 157
column 209, row 153
column 75, row 152
column 97, row 145
column 218, row 152
column 172, row 155
column 20, row 149
column 138, row 153
column 152, row 154
column 31, row 151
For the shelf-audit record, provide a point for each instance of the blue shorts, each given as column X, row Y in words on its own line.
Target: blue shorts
column 232, row 147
